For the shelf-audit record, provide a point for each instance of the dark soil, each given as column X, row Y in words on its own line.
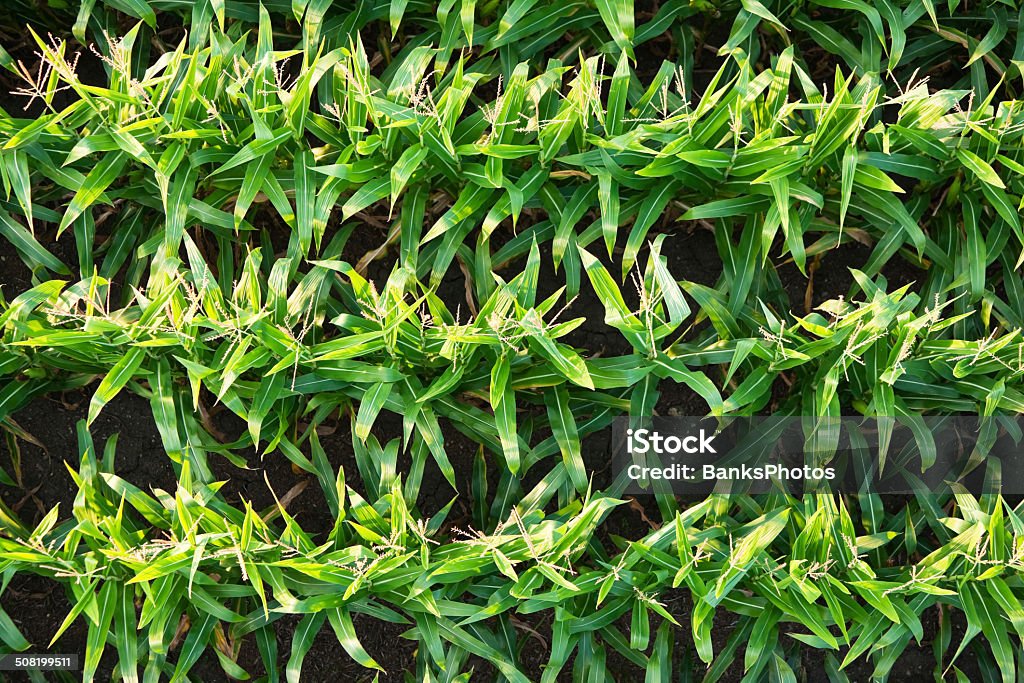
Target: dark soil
column 829, row 276
column 53, row 421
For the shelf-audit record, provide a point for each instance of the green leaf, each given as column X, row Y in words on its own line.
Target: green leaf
column 341, row 622
column 120, row 374
column 563, row 427
column 979, row 167
column 99, row 179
